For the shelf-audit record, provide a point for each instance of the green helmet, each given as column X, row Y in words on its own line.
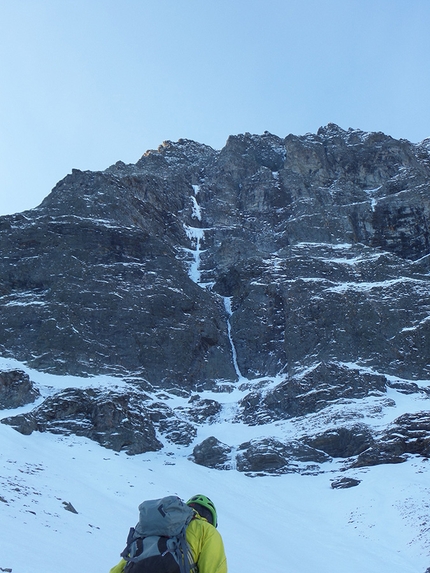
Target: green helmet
column 205, row 502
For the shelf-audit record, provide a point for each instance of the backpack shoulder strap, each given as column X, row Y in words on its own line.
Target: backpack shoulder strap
column 184, row 555
column 130, row 538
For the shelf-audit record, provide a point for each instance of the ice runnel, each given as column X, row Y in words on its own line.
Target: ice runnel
column 196, row 236
column 227, row 305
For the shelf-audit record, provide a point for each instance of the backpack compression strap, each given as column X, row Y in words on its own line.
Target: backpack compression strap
column 126, row 553
column 186, row 561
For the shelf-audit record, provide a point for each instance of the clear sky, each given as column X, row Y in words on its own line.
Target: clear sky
column 85, row 83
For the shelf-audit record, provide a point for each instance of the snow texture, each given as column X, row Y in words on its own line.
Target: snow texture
column 286, row 523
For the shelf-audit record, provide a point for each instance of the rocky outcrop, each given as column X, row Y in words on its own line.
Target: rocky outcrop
column 118, row 421
column 343, row 442
column 345, row 483
column 409, row 434
column 272, row 456
column 213, row 454
column 356, row 445
column 202, row 410
column 16, row 389
column 310, row 391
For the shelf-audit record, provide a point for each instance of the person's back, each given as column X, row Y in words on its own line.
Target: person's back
column 206, row 546
column 204, row 540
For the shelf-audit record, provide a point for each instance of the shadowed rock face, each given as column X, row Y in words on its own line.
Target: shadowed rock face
column 212, row 453
column 118, row 420
column 304, row 257
column 309, row 392
column 272, row 456
column 408, row 434
column 16, row 389
column 320, row 241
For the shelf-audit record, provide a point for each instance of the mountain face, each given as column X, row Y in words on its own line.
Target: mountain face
column 295, row 270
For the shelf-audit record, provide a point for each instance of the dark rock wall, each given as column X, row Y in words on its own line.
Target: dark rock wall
column 321, row 242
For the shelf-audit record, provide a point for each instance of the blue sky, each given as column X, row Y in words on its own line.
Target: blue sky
column 84, row 83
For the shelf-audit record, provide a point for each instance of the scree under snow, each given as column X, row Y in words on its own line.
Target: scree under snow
column 291, row 523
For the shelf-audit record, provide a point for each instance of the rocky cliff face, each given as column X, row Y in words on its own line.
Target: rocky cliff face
column 273, row 259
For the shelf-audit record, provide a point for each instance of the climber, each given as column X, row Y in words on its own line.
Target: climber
column 203, row 540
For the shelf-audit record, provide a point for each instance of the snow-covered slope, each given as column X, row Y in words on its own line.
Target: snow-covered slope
column 283, row 523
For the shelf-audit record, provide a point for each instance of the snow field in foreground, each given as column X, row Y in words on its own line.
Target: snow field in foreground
column 292, row 522
column 288, row 523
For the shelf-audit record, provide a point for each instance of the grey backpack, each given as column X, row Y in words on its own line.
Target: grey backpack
column 157, row 544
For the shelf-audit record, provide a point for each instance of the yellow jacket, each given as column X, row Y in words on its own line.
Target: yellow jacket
column 206, row 546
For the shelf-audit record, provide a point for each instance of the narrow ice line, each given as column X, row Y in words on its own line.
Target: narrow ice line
column 271, row 381
column 197, row 210
column 195, row 235
column 233, row 458
column 227, row 306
